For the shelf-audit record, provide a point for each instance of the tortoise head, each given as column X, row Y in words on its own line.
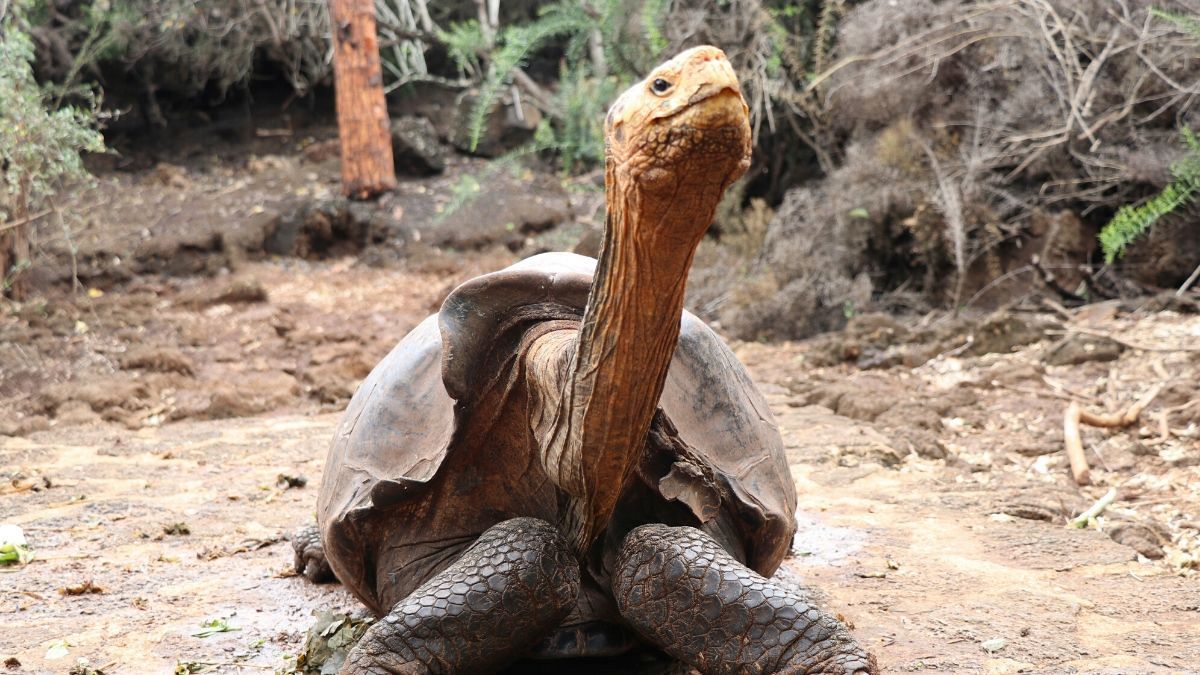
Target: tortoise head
column 686, row 123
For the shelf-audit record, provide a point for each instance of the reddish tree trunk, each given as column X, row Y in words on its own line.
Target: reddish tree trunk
column 363, row 124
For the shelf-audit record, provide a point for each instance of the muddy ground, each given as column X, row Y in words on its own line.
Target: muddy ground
column 153, row 415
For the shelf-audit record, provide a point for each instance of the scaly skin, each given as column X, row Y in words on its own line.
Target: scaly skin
column 310, row 555
column 509, row 590
column 683, row 592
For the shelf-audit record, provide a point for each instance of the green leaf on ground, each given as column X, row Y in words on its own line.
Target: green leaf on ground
column 214, row 626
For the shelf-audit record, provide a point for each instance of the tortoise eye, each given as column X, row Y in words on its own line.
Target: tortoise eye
column 660, row 86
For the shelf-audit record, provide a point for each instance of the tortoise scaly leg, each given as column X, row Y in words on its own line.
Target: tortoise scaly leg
column 686, row 594
column 310, row 555
column 509, row 590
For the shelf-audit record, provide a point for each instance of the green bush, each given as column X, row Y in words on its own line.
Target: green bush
column 40, row 140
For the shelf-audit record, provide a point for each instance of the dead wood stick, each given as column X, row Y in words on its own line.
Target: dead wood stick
column 1164, row 422
column 1164, row 428
column 1059, row 309
column 1125, row 417
column 1074, row 444
column 1073, row 440
column 13, row 224
column 1188, row 284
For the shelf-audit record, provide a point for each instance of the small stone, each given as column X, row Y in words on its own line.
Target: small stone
column 994, row 645
column 415, row 147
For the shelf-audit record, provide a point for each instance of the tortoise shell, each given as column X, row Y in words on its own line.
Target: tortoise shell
column 435, row 447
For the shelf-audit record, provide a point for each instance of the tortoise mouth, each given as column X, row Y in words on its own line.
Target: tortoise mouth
column 711, row 107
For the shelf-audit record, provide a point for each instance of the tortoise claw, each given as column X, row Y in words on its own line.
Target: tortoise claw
column 310, row 555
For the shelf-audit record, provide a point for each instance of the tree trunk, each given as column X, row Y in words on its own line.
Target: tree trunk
column 14, row 248
column 363, row 127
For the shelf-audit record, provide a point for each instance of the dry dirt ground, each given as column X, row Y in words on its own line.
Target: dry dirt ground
column 150, row 426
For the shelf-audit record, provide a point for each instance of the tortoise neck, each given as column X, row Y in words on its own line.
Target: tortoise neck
column 631, row 324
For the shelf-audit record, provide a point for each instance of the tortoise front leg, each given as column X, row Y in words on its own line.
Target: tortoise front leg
column 686, row 594
column 509, row 590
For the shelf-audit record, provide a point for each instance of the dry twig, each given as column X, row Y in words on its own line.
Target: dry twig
column 1075, row 415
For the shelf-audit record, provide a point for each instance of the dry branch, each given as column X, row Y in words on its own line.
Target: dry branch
column 1074, row 443
column 1075, row 415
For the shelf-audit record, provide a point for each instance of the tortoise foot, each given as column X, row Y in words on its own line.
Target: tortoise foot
column 310, row 555
column 683, row 592
column 508, row 591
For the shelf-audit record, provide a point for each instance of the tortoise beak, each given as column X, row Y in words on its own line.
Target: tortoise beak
column 716, row 76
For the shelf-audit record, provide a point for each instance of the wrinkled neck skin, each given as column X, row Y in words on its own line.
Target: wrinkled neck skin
column 595, row 392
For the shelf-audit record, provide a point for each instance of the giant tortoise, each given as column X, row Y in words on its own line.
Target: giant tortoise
column 563, row 462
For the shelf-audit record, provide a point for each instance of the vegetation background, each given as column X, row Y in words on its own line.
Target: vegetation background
column 908, row 155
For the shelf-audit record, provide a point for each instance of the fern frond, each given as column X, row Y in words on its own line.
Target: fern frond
column 1187, row 24
column 517, row 43
column 1131, row 222
column 831, row 11
column 461, row 40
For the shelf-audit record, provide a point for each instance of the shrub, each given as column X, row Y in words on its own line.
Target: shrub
column 40, row 142
column 186, row 46
column 960, row 124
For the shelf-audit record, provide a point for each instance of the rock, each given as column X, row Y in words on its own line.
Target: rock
column 235, row 289
column 334, row 379
column 253, row 394
column 1166, row 255
column 951, row 401
column 250, row 234
column 180, row 254
column 924, row 442
column 1142, row 538
column 23, row 425
column 321, row 151
column 205, row 248
column 572, row 235
column 159, row 360
column 508, row 210
column 909, row 415
column 100, row 394
column 169, row 175
column 864, row 404
column 914, row 427
column 416, row 150
column 814, row 433
column 873, row 340
column 1004, row 373
column 331, row 227
column 1078, row 348
column 1041, row 503
column 1002, row 333
column 76, row 412
column 1037, row 446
